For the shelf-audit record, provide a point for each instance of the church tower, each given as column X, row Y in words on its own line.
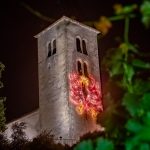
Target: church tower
column 69, row 80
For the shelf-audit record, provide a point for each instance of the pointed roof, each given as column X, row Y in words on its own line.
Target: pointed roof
column 64, row 18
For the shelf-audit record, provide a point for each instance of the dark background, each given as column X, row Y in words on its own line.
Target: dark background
column 18, row 49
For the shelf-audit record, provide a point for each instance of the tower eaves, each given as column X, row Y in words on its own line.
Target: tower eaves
column 64, row 18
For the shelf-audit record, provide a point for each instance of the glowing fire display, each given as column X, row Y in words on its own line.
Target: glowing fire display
column 85, row 94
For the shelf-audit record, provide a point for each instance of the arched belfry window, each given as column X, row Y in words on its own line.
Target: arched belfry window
column 49, row 50
column 81, row 45
column 84, row 47
column 78, row 45
column 79, row 66
column 54, row 47
column 82, row 68
column 85, row 69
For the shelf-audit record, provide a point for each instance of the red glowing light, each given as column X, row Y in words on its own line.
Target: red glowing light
column 85, row 94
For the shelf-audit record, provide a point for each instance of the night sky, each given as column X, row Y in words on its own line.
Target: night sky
column 19, row 47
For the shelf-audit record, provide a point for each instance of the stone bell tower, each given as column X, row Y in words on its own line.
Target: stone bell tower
column 68, row 49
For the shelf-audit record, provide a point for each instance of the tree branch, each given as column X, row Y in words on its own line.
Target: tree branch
column 37, row 13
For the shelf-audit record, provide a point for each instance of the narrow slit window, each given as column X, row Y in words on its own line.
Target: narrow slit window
column 78, row 45
column 49, row 50
column 85, row 70
column 84, row 47
column 79, row 67
column 54, row 47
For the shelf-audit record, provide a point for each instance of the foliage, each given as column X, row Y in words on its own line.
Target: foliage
column 103, row 24
column 126, row 117
column 19, row 140
column 18, row 136
column 2, row 115
column 4, row 142
column 45, row 141
column 41, row 141
column 98, row 144
column 2, row 99
column 145, row 10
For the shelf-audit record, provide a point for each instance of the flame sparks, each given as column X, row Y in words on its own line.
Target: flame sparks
column 85, row 95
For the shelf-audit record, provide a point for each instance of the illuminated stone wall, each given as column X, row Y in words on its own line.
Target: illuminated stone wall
column 56, row 112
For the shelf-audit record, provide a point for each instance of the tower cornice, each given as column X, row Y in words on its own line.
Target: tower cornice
column 64, row 18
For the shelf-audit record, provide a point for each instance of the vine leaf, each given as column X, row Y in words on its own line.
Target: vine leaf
column 128, row 72
column 140, row 64
column 85, row 145
column 131, row 102
column 104, row 144
column 133, row 126
column 145, row 10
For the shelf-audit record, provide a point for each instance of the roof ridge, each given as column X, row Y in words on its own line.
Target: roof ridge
column 68, row 19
